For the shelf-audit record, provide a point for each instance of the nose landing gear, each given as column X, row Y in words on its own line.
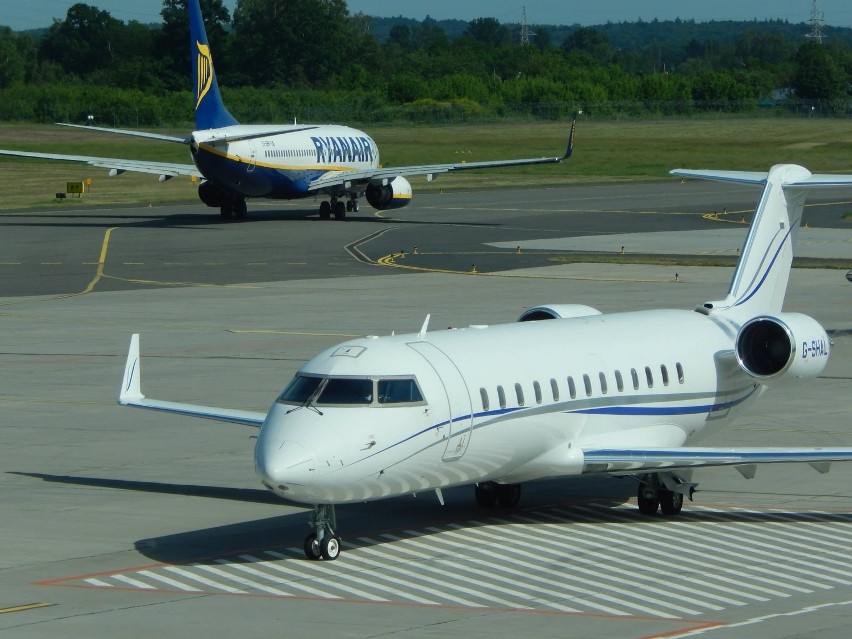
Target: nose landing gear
column 323, row 543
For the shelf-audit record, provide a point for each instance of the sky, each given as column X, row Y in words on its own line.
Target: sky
column 33, row 14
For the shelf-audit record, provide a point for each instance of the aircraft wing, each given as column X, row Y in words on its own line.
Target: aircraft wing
column 343, row 180
column 631, row 461
column 131, row 395
column 116, row 165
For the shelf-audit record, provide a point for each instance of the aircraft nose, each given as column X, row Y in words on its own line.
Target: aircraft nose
column 285, row 467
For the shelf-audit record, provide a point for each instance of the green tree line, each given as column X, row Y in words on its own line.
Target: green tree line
column 312, row 59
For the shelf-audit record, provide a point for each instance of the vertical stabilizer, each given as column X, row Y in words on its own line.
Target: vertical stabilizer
column 210, row 111
column 760, row 279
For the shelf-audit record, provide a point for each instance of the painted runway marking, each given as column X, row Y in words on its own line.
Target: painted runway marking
column 580, row 559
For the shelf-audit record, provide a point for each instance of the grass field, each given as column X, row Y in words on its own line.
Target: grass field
column 603, row 152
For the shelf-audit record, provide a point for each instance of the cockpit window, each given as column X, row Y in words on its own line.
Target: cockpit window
column 399, row 391
column 351, row 391
column 344, row 390
column 300, row 389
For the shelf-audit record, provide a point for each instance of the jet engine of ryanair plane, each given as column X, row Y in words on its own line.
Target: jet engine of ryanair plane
column 392, row 195
column 790, row 345
column 557, row 311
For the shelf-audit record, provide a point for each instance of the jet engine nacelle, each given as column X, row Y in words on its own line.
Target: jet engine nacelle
column 557, row 311
column 212, row 195
column 787, row 346
column 393, row 195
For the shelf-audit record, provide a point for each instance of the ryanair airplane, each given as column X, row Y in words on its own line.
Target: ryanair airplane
column 238, row 161
column 630, row 394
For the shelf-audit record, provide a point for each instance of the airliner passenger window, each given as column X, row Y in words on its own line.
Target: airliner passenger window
column 619, row 383
column 399, row 391
column 572, row 390
column 635, row 377
column 679, row 372
column 554, row 388
column 484, row 395
column 300, row 389
column 649, row 377
column 520, row 394
column 348, row 391
column 665, row 373
column 501, row 396
column 587, row 383
column 602, row 378
column 537, row 391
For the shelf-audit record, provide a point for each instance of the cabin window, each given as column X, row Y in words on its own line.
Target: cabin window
column 572, row 390
column 399, row 391
column 520, row 394
column 501, row 397
column 679, row 369
column 300, row 389
column 537, row 391
column 602, row 379
column 649, row 377
column 347, row 391
column 619, row 383
column 587, row 383
column 635, row 376
column 554, row 389
column 483, row 394
column 664, row 372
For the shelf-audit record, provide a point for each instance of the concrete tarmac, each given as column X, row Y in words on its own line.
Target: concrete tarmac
column 123, row 521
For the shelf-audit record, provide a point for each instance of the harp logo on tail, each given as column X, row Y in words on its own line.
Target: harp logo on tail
column 204, row 72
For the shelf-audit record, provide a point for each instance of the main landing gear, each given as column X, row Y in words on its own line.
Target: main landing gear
column 489, row 494
column 664, row 492
column 339, row 208
column 323, row 543
column 236, row 207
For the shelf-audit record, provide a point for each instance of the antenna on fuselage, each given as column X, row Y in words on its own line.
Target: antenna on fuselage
column 424, row 328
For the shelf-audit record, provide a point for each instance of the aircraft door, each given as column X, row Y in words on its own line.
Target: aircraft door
column 457, row 398
column 252, row 159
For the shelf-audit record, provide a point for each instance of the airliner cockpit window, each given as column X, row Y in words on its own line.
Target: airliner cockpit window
column 347, row 390
column 399, row 391
column 300, row 389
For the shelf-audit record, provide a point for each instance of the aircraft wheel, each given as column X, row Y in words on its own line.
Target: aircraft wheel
column 485, row 495
column 225, row 211
column 339, row 210
column 355, row 206
column 349, row 207
column 240, row 209
column 330, row 547
column 312, row 547
column 671, row 502
column 325, row 211
column 508, row 495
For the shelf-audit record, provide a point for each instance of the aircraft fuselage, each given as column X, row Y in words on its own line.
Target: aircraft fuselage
column 505, row 403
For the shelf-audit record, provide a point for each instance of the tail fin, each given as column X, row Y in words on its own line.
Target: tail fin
column 760, row 279
column 210, row 111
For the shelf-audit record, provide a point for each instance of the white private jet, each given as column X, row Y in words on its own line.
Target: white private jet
column 493, row 406
column 275, row 161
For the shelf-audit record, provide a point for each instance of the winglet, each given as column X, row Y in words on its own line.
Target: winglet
column 570, row 148
column 131, row 385
column 422, row 334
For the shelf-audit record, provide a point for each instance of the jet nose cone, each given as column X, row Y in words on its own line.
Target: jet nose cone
column 282, row 467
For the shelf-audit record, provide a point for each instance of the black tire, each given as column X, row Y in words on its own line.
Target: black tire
column 226, row 211
column 508, row 495
column 330, row 547
column 312, row 547
column 339, row 210
column 485, row 494
column 325, row 210
column 240, row 209
column 671, row 502
column 648, row 501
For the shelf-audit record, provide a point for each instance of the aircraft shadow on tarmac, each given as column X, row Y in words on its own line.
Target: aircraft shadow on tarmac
column 423, row 516
column 149, row 218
